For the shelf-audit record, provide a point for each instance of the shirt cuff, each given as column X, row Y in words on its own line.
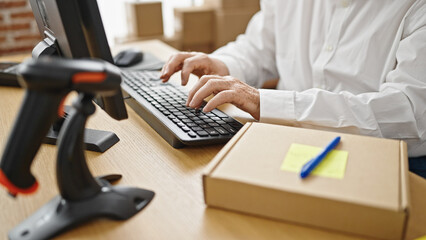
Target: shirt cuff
column 233, row 66
column 276, row 106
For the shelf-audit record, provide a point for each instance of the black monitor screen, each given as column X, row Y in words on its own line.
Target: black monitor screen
column 75, row 29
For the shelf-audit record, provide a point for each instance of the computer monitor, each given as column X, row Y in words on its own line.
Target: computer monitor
column 74, row 29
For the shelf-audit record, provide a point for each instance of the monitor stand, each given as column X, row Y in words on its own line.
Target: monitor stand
column 8, row 77
column 95, row 140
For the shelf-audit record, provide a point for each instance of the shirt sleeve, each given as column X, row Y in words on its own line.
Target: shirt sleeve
column 397, row 110
column 251, row 58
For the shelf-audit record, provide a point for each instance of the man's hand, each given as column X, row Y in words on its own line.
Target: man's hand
column 226, row 90
column 192, row 62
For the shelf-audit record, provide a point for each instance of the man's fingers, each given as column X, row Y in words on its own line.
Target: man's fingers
column 210, row 87
column 174, row 64
column 163, row 70
column 197, row 62
column 223, row 97
column 203, row 80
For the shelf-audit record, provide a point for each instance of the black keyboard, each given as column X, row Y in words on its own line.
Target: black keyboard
column 162, row 106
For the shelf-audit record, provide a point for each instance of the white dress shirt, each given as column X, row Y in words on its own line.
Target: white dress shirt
column 348, row 66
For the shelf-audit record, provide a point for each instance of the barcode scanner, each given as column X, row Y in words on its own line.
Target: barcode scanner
column 47, row 81
column 82, row 197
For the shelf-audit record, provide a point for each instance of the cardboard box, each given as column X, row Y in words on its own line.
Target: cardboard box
column 416, row 227
column 194, row 24
column 232, row 4
column 230, row 24
column 370, row 200
column 173, row 41
column 204, row 47
column 145, row 18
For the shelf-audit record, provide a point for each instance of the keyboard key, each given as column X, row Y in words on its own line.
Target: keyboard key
column 219, row 113
column 194, row 118
column 197, row 129
column 204, row 126
column 186, row 129
column 202, row 133
column 220, row 122
column 156, row 105
column 236, row 125
column 229, row 128
column 212, row 132
column 221, row 130
column 186, row 120
column 192, row 134
column 191, row 124
column 228, row 119
column 214, row 124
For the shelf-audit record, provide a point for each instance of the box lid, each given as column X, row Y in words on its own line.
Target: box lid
column 375, row 173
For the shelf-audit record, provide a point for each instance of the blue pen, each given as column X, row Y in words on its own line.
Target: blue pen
column 309, row 166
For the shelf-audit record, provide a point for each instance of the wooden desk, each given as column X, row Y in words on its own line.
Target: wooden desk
column 147, row 161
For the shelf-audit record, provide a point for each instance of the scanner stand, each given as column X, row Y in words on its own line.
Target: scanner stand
column 95, row 140
column 82, row 197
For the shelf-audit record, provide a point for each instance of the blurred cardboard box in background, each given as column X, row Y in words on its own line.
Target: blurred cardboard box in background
column 229, row 4
column 230, row 23
column 145, row 18
column 203, row 47
column 173, row 41
column 215, row 24
column 199, row 28
column 194, row 24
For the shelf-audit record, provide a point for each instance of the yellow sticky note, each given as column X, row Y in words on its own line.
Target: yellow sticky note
column 421, row 238
column 333, row 165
